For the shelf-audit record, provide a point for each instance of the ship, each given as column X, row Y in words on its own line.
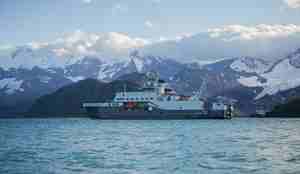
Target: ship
column 157, row 100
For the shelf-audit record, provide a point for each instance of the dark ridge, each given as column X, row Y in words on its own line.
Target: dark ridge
column 68, row 100
column 289, row 109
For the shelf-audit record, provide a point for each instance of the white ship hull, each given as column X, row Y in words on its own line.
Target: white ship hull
column 156, row 114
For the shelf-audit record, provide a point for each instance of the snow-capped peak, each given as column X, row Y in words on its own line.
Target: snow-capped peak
column 112, row 46
column 295, row 58
column 250, row 65
column 26, row 57
column 143, row 61
column 284, row 75
column 11, row 85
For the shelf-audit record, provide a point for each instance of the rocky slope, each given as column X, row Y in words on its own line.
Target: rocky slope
column 67, row 101
column 29, row 73
column 21, row 82
column 289, row 109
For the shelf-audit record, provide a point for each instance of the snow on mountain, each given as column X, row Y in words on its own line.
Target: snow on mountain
column 11, row 85
column 295, row 58
column 142, row 63
column 250, row 65
column 45, row 79
column 76, row 79
column 62, row 52
column 139, row 64
column 26, row 57
column 283, row 76
column 250, row 81
column 76, row 56
column 109, row 71
column 107, row 56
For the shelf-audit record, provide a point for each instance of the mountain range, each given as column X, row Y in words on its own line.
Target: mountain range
column 30, row 72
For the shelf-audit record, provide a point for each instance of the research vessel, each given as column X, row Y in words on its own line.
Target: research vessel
column 157, row 100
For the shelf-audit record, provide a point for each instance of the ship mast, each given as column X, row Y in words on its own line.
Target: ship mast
column 202, row 88
column 124, row 89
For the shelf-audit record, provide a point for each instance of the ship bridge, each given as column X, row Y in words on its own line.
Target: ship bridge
column 142, row 96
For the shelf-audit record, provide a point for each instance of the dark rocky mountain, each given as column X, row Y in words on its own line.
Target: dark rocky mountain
column 289, row 109
column 218, row 80
column 270, row 101
column 247, row 80
column 20, row 86
column 67, row 101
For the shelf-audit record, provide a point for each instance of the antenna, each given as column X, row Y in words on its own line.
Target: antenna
column 202, row 88
column 124, row 88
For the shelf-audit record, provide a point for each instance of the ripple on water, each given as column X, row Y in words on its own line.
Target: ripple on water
column 294, row 159
column 68, row 146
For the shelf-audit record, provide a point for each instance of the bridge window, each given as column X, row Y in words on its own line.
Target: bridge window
column 169, row 98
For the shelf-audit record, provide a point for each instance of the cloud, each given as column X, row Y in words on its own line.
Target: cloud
column 37, row 45
column 270, row 42
column 262, row 31
column 148, row 24
column 119, row 8
column 179, row 37
column 183, row 36
column 108, row 45
column 6, row 47
column 87, row 1
column 156, row 1
column 293, row 3
column 162, row 39
column 61, row 51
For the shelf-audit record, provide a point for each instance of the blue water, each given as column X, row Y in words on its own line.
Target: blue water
column 241, row 145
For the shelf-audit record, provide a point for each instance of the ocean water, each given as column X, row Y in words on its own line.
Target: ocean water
column 81, row 145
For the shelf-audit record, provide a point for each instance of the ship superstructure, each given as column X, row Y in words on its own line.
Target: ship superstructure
column 157, row 100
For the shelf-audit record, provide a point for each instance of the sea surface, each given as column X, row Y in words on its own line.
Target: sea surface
column 82, row 145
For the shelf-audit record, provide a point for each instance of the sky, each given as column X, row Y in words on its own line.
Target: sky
column 24, row 21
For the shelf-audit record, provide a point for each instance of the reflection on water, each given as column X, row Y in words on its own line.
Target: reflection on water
column 241, row 145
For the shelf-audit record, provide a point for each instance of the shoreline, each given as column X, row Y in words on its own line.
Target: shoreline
column 42, row 115
column 84, row 115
